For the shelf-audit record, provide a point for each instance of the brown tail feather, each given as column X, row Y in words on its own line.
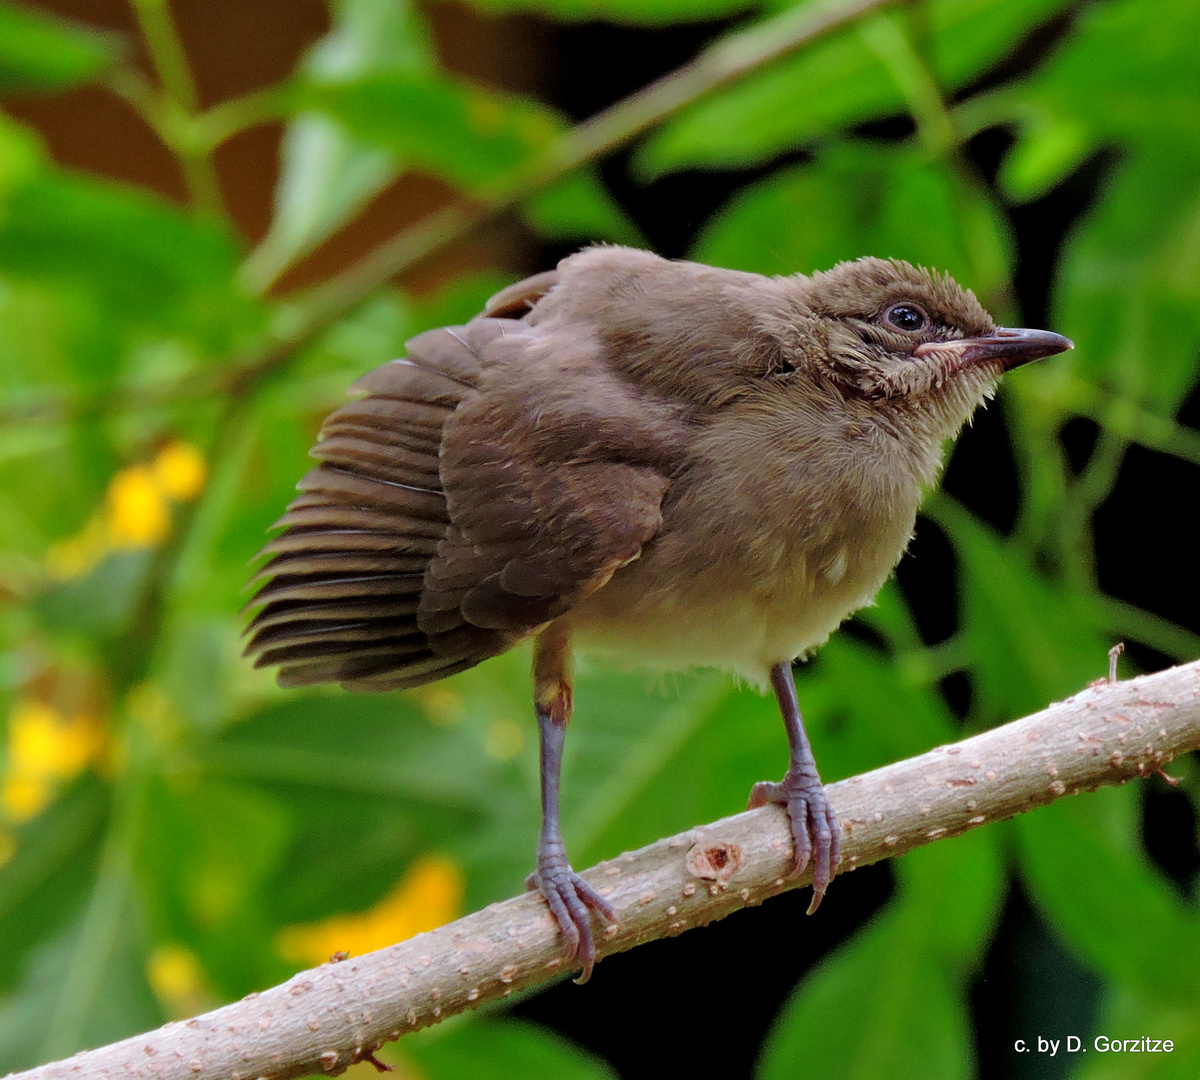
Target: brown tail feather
column 398, row 680
column 300, row 632
column 348, row 669
column 396, row 647
column 341, row 562
column 351, row 610
column 322, row 540
column 307, row 516
column 344, row 578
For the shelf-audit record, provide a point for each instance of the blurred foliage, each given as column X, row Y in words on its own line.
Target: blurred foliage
column 175, row 831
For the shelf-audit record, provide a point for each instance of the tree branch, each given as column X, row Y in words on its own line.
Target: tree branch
column 328, row 1018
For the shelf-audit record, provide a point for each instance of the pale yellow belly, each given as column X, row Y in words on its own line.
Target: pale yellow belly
column 720, row 619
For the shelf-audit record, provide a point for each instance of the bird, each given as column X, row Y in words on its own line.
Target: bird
column 669, row 463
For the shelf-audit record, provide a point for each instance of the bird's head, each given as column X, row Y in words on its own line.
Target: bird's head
column 893, row 331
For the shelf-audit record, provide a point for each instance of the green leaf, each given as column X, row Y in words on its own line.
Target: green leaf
column 44, row 885
column 859, row 199
column 620, row 781
column 44, row 52
column 892, row 1001
column 474, row 138
column 146, row 262
column 21, row 157
column 1129, row 290
column 1127, row 1015
column 851, row 700
column 28, row 1015
column 834, row 84
column 965, row 914
column 1128, row 71
column 378, row 745
column 1083, row 862
column 879, row 1006
column 1046, row 150
column 579, row 207
column 484, row 1049
column 102, row 602
column 86, row 978
column 365, row 784
column 327, row 174
column 1031, row 642
column 644, row 766
column 696, row 758
column 206, row 892
column 53, row 342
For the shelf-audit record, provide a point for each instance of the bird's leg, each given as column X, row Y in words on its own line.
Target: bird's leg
column 568, row 895
column 814, row 824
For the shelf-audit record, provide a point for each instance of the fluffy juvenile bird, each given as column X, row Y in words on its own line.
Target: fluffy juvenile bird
column 680, row 465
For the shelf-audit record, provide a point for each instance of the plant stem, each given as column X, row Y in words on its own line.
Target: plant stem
column 900, row 50
column 230, row 117
column 1127, row 418
column 177, row 121
column 1083, row 497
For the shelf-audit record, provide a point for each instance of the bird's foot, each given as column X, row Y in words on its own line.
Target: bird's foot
column 814, row 825
column 570, row 898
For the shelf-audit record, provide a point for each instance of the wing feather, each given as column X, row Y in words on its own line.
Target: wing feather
column 432, row 533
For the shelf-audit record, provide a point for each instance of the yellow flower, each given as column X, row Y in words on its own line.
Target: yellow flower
column 137, row 510
column 44, row 748
column 179, row 471
column 173, row 972
column 175, row 976
column 428, row 896
column 22, row 798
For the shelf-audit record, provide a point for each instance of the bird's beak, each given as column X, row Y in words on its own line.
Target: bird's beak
column 1009, row 347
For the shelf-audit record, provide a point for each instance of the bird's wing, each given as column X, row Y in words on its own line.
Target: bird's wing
column 520, row 298
column 431, row 535
column 345, row 577
column 533, row 530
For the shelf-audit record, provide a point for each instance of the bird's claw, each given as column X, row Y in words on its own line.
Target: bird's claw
column 815, row 834
column 569, row 897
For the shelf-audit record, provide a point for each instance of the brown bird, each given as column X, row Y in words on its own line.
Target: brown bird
column 676, row 464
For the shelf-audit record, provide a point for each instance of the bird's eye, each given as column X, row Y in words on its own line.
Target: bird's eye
column 906, row 317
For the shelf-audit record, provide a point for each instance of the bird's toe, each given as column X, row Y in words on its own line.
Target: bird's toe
column 571, row 901
column 815, row 833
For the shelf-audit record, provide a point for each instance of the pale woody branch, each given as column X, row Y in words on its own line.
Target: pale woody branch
column 329, row 1017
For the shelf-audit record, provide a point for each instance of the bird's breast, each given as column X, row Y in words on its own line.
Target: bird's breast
column 712, row 592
